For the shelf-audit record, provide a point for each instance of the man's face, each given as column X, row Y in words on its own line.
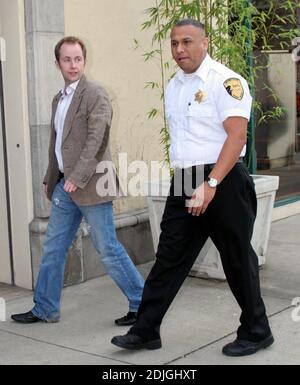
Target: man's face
column 71, row 62
column 189, row 47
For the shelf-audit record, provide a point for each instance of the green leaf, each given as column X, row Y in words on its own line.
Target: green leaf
column 153, row 113
column 152, row 85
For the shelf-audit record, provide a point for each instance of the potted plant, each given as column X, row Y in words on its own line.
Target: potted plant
column 237, row 29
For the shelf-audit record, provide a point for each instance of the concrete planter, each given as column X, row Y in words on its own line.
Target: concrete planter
column 208, row 264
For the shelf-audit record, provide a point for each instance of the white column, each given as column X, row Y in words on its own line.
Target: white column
column 17, row 138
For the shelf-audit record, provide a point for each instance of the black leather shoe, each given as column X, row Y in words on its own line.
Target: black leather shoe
column 128, row 320
column 26, row 318
column 134, row 342
column 240, row 348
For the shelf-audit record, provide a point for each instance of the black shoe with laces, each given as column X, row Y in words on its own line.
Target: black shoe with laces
column 134, row 342
column 239, row 348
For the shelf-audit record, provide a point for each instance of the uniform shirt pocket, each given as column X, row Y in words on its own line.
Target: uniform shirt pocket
column 199, row 111
column 199, row 117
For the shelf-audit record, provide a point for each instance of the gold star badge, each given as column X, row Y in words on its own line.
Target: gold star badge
column 200, row 96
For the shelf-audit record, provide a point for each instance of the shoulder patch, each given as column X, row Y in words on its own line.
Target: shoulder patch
column 235, row 88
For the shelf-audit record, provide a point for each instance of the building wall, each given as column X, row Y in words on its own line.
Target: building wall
column 18, row 138
column 109, row 29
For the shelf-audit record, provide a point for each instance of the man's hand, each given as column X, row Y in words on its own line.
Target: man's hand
column 70, row 187
column 201, row 199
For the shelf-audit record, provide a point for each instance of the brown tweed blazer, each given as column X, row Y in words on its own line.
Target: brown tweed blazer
column 85, row 143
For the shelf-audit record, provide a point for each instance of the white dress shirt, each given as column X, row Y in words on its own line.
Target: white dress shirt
column 197, row 105
column 60, row 117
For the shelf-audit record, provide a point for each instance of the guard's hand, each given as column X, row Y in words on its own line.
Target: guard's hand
column 201, row 198
column 70, row 187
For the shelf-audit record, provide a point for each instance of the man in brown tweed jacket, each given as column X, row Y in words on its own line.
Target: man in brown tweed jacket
column 80, row 126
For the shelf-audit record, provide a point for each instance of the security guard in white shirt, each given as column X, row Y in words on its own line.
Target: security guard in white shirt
column 208, row 107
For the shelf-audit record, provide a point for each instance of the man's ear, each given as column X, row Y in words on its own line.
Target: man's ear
column 206, row 42
column 57, row 64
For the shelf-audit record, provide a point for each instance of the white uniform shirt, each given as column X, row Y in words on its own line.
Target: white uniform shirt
column 196, row 107
column 60, row 117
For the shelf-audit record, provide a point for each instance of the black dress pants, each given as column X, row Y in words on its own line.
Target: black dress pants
column 229, row 222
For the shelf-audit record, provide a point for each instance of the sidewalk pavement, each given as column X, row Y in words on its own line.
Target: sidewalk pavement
column 203, row 317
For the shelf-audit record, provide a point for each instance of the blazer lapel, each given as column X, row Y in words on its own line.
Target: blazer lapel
column 74, row 107
column 52, row 124
column 54, row 109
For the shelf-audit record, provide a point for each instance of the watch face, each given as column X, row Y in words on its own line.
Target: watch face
column 213, row 182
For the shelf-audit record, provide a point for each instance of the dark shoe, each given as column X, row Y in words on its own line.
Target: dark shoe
column 134, row 342
column 240, row 348
column 128, row 320
column 26, row 318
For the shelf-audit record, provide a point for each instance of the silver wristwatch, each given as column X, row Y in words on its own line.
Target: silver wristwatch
column 212, row 182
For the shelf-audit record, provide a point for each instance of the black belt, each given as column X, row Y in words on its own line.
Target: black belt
column 61, row 175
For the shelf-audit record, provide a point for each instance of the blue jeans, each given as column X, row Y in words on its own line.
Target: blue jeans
column 63, row 224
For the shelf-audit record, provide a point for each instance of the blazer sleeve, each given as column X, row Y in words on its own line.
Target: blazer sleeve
column 99, row 122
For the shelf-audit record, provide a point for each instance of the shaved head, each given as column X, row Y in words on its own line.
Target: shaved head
column 194, row 23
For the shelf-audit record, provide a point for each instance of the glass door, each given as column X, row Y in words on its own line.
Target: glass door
column 278, row 141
